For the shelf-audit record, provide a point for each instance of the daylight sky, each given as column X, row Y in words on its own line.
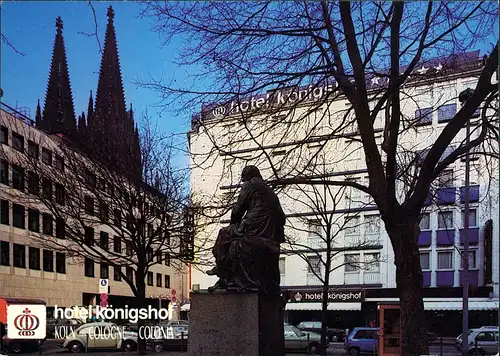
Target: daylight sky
column 30, row 27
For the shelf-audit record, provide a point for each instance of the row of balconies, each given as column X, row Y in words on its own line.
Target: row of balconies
column 447, row 237
column 447, row 278
column 446, row 196
column 350, row 278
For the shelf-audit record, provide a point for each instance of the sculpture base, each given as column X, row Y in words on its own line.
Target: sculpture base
column 232, row 323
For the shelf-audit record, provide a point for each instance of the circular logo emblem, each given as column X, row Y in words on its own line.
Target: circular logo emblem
column 219, row 111
column 104, row 282
column 26, row 323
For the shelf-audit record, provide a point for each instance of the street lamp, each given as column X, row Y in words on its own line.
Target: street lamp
column 463, row 97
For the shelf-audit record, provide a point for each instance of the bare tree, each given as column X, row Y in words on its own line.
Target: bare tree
column 141, row 219
column 370, row 56
column 333, row 236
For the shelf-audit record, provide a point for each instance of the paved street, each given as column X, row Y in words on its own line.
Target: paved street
column 50, row 348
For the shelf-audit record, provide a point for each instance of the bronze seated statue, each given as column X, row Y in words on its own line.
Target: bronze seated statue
column 247, row 251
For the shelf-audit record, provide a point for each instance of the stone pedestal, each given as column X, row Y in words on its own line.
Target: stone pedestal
column 236, row 324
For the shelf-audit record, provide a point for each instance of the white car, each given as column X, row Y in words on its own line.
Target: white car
column 100, row 335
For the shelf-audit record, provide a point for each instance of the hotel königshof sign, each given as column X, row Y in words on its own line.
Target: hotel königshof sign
column 333, row 296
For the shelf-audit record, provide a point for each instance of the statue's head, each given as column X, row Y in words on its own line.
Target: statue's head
column 250, row 172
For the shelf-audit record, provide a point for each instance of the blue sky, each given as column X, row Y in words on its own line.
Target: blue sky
column 30, row 27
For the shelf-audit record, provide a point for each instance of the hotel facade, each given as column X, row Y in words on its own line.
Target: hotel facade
column 223, row 140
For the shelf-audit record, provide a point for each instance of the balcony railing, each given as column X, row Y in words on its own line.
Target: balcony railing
column 351, row 278
column 282, row 279
column 312, row 280
column 446, row 196
column 473, row 194
column 371, row 277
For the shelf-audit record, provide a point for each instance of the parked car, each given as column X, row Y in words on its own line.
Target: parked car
column 362, row 340
column 332, row 334
column 296, row 339
column 482, row 341
column 83, row 338
column 178, row 342
column 17, row 346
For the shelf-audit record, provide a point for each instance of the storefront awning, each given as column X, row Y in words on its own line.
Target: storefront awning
column 449, row 303
column 457, row 305
column 317, row 306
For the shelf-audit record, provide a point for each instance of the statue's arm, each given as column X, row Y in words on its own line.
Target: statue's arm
column 241, row 205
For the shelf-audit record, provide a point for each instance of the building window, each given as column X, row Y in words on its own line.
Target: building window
column 351, row 226
column 89, row 236
column 150, row 254
column 128, row 249
column 117, row 244
column 372, row 225
column 159, row 279
column 423, row 116
column 447, row 112
column 89, row 268
column 33, row 149
column 118, row 217
column 47, row 188
column 34, row 258
column 282, row 265
column 33, row 183
column 91, row 179
column 18, row 216
column 129, row 272
column 104, row 240
column 425, row 260
column 4, row 172
column 425, row 223
column 47, row 156
column 150, row 278
column 59, row 163
column 150, row 230
column 472, row 218
column 351, row 263
column 472, row 259
column 4, row 135
column 60, row 263
column 103, row 212
column 48, row 261
column 19, row 256
column 167, row 259
column 445, row 260
column 47, row 224
column 33, row 220
column 314, row 233
column 117, row 274
column 60, row 228
column 445, row 179
column 159, row 258
column 4, row 212
column 313, row 265
column 104, row 270
column 167, row 281
column 60, row 194
column 101, row 184
column 17, row 177
column 17, row 142
column 89, row 205
column 372, row 261
column 445, row 220
column 4, row 253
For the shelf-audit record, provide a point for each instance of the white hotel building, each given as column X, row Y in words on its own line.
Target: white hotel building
column 433, row 102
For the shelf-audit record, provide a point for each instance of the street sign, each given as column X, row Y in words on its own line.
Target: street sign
column 103, row 286
column 174, row 292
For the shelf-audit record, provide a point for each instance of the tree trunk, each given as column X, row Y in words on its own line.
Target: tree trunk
column 141, row 303
column 324, row 310
column 404, row 237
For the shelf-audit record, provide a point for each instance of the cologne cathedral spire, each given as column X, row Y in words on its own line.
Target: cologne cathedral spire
column 111, row 124
column 58, row 112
